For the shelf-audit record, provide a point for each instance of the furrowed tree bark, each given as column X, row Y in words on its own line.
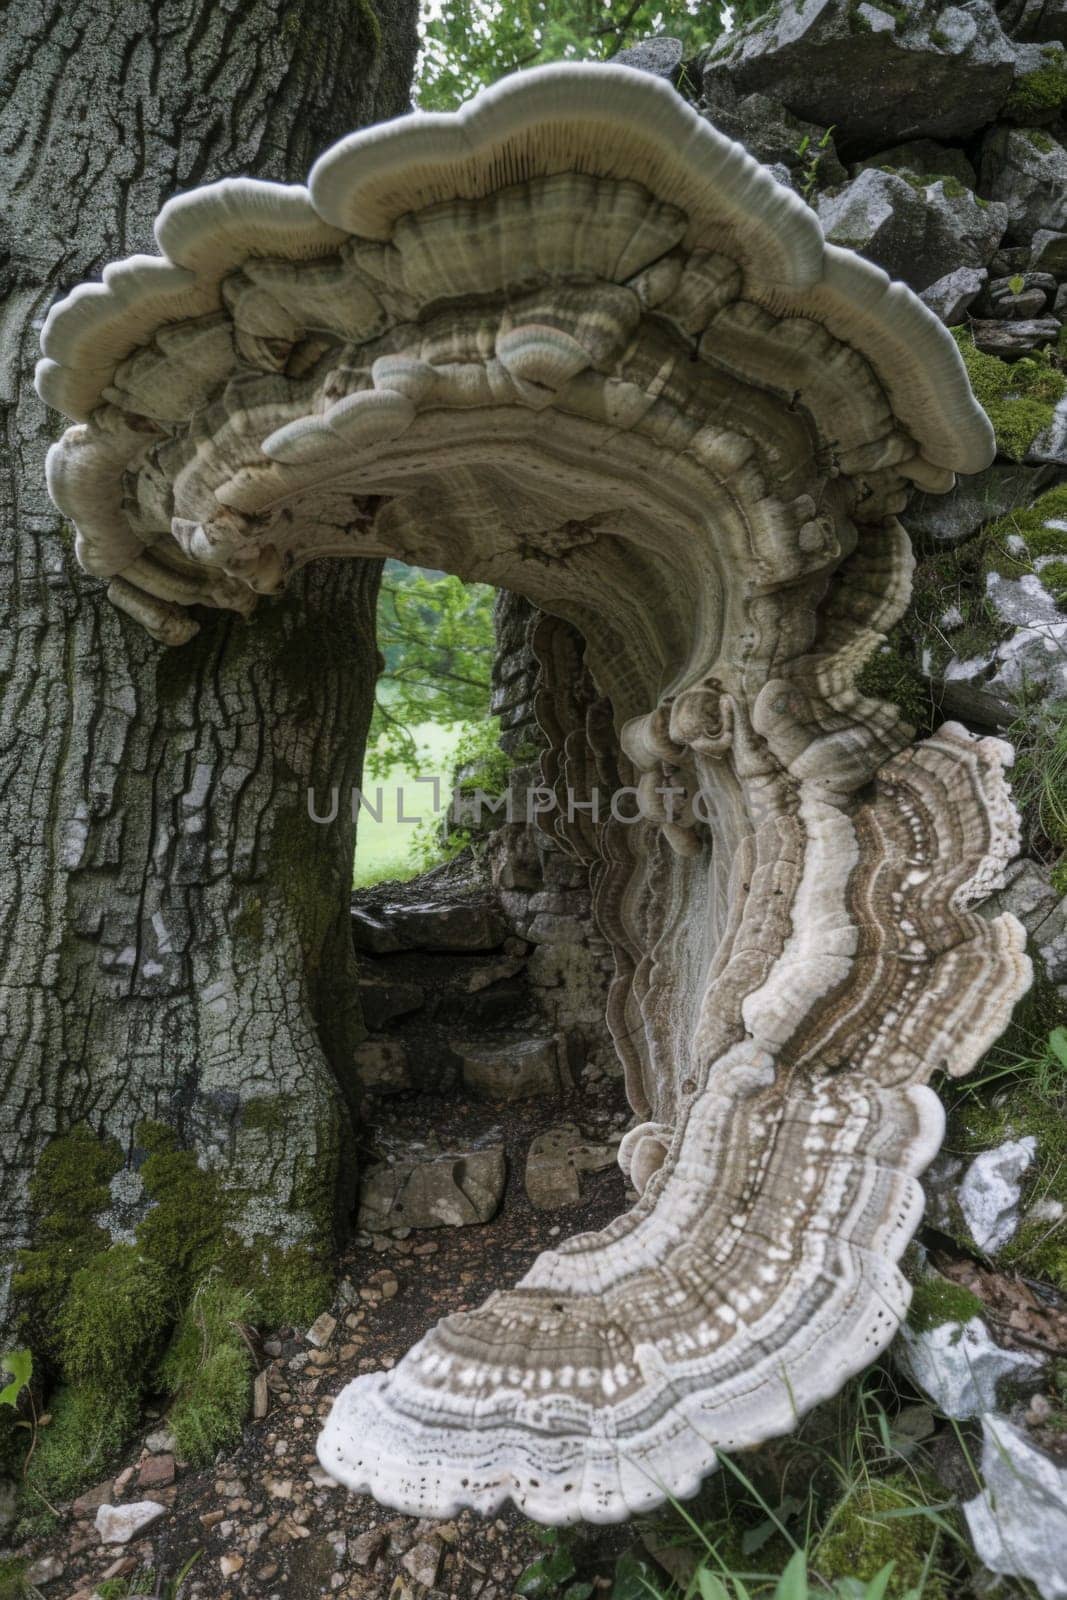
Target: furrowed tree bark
column 173, row 929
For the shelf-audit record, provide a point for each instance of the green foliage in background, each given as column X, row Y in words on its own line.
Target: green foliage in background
column 470, row 43
column 436, row 635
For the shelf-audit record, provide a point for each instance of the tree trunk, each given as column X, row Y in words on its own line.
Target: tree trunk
column 173, row 929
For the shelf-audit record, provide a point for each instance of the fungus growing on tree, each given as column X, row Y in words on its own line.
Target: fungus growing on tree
column 573, row 342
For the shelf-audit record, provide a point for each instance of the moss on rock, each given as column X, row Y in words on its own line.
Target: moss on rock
column 936, row 1300
column 870, row 1527
column 1040, row 92
column 892, row 674
column 1018, row 397
column 1027, row 540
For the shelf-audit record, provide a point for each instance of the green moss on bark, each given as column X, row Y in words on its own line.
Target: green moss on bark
column 208, row 1368
column 116, row 1313
column 101, row 1313
column 89, row 1427
column 68, row 1192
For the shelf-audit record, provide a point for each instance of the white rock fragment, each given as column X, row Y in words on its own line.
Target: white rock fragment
column 1019, row 1520
column 321, row 1331
column 959, row 1365
column 989, row 1192
column 120, row 1524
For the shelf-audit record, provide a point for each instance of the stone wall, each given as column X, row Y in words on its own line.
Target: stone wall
column 542, row 887
column 933, row 143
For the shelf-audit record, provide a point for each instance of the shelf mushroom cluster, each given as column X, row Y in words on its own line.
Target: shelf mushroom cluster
column 573, row 342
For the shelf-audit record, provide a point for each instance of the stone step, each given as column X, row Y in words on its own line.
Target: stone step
column 510, row 1068
column 381, row 927
column 441, row 1189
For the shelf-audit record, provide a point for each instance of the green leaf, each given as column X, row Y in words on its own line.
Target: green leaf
column 793, row 1584
column 1057, row 1043
column 880, row 1582
column 578, row 1591
column 634, row 1579
column 710, row 1587
column 755, row 1538
column 19, row 1363
column 543, row 1577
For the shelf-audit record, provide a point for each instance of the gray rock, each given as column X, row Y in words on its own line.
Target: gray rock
column 120, row 1524
column 1009, row 259
column 918, row 234
column 989, row 1192
column 1023, row 602
column 1025, row 169
column 926, row 159
column 978, row 498
column 1027, row 894
column 550, row 1177
column 450, row 1190
column 960, row 1366
column 1005, row 292
column 1032, row 659
column 382, row 926
column 916, row 72
column 1027, row 303
column 1009, row 340
column 1048, row 252
column 1050, row 936
column 381, row 1066
column 46, row 1569
column 1052, row 444
column 554, row 1160
column 423, row 1561
column 1019, row 1520
column 381, row 1002
column 510, row 1069
column 372, row 933
column 772, row 134
column 950, row 296
column 661, row 57
column 1042, row 20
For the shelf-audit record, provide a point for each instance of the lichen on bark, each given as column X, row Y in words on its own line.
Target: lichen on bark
column 173, row 940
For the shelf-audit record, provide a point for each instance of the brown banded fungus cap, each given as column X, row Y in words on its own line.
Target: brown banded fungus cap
column 572, row 341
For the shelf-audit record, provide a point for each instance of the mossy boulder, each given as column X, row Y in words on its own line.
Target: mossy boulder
column 1018, row 397
column 1039, row 92
column 873, row 69
column 1025, row 169
column 917, row 229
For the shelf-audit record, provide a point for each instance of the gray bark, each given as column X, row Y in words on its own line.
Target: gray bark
column 173, row 930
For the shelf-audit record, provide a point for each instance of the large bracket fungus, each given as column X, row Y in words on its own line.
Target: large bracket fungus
column 573, row 342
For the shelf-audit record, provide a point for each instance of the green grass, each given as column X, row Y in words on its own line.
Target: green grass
column 384, row 849
column 848, row 1507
